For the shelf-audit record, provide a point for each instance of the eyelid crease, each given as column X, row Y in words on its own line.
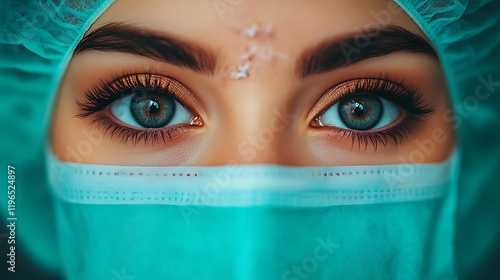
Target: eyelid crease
column 105, row 93
column 396, row 133
column 394, row 90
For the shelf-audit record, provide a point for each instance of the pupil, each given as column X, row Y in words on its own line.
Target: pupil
column 154, row 107
column 359, row 108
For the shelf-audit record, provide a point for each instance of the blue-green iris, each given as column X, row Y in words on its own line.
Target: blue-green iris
column 152, row 110
column 360, row 112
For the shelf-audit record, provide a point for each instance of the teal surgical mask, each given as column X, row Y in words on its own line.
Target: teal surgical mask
column 254, row 221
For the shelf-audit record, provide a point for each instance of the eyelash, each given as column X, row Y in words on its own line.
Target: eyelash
column 395, row 91
column 103, row 95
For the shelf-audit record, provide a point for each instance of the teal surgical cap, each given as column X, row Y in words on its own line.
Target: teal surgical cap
column 37, row 40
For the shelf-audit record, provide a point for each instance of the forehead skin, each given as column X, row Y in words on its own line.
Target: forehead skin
column 298, row 24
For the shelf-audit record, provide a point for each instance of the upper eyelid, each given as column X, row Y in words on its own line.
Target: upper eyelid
column 107, row 91
column 327, row 99
column 335, row 93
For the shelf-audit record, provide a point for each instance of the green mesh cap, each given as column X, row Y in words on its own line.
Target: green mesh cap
column 38, row 38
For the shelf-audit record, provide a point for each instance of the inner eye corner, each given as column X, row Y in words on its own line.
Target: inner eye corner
column 196, row 121
column 314, row 114
column 314, row 122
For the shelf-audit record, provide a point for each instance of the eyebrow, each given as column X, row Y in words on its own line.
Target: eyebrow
column 336, row 53
column 126, row 38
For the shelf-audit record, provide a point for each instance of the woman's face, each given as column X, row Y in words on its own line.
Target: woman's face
column 222, row 82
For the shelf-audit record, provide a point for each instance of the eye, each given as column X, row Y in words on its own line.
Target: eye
column 142, row 108
column 360, row 112
column 150, row 110
column 370, row 110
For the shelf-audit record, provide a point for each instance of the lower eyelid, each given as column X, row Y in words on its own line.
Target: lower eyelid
column 135, row 136
column 397, row 133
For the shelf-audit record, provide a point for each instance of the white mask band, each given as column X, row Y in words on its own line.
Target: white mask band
column 247, row 185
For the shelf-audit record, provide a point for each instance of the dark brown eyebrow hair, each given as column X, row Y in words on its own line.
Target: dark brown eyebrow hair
column 121, row 37
column 336, row 53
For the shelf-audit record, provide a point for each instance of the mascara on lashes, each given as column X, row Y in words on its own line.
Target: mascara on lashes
column 394, row 90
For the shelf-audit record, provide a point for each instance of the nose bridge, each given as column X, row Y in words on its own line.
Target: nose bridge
column 255, row 129
column 267, row 141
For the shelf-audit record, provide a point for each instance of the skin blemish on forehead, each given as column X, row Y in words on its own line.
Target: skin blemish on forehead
column 259, row 47
column 242, row 71
column 257, row 30
column 251, row 31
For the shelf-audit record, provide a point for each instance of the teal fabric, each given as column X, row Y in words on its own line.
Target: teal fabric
column 255, row 221
column 467, row 36
column 38, row 37
column 242, row 243
column 35, row 42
